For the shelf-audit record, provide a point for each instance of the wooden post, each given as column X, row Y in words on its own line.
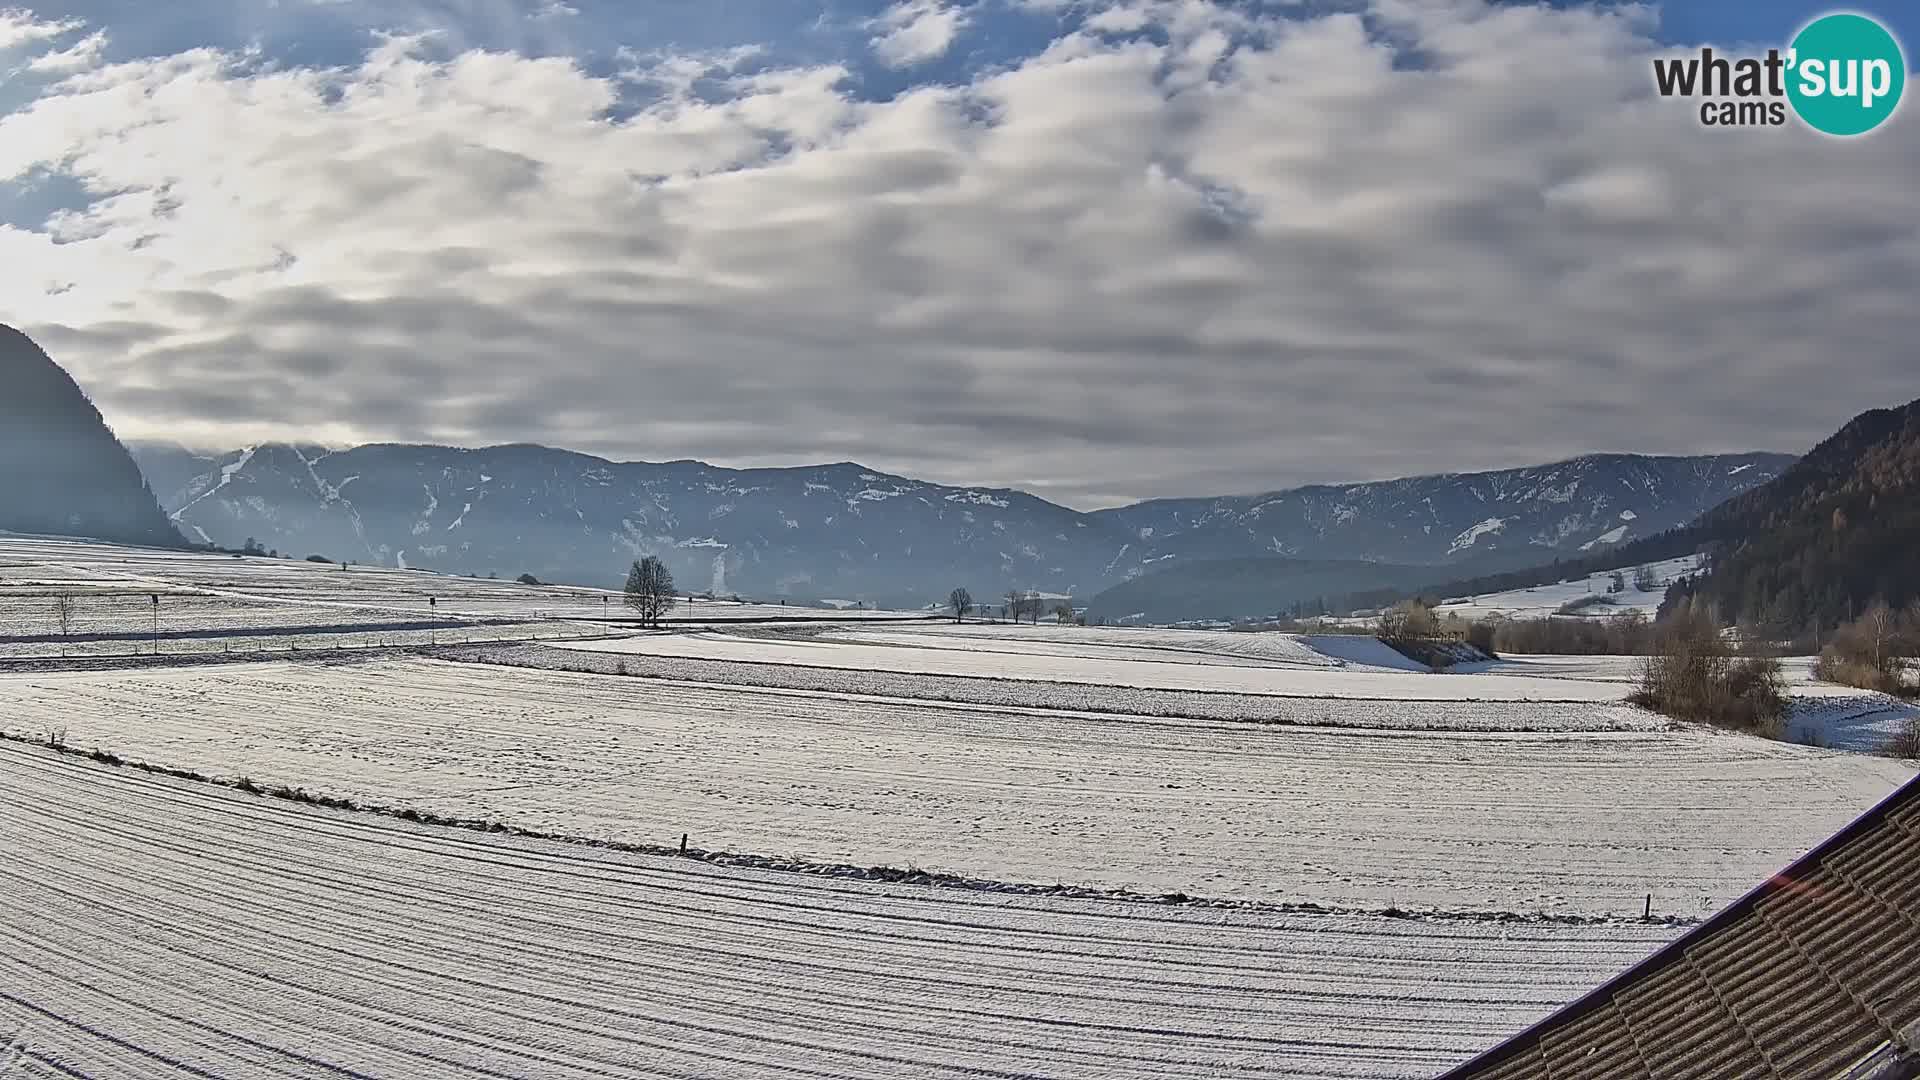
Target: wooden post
column 1648, row 917
column 683, row 843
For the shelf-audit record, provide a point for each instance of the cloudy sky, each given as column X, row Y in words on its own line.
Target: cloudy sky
column 1098, row 249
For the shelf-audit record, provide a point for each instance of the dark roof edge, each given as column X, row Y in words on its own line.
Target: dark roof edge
column 1804, row 866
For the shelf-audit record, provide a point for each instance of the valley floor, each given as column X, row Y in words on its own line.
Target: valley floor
column 154, row 928
column 1279, row 856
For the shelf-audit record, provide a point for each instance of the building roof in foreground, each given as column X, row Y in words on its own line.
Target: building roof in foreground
column 1814, row 975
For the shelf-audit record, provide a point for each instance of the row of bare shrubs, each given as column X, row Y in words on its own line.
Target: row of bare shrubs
column 1626, row 634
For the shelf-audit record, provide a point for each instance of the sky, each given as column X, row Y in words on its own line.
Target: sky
column 1100, row 250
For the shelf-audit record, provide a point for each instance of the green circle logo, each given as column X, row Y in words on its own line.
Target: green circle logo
column 1847, row 73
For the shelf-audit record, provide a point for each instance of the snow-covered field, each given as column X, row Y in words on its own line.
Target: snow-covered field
column 1015, row 657
column 1545, row 600
column 157, row 928
column 1583, row 822
column 221, row 603
column 1429, row 715
column 151, row 928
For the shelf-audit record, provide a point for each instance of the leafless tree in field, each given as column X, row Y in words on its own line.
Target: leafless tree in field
column 64, row 608
column 650, row 590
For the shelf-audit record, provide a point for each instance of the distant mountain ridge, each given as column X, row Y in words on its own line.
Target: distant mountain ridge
column 62, row 471
column 1582, row 504
column 844, row 531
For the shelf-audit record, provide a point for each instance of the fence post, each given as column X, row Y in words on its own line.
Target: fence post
column 683, row 843
column 1648, row 917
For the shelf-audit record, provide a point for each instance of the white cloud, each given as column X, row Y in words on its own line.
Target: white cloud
column 80, row 56
column 1228, row 255
column 19, row 27
column 916, row 31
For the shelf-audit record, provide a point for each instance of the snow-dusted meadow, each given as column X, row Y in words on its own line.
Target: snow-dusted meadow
column 151, row 928
column 1016, row 654
column 223, row 603
column 1545, row 600
column 1573, row 821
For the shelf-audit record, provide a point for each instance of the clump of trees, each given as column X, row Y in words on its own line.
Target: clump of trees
column 1024, row 604
column 1877, row 651
column 1407, row 622
column 527, row 579
column 649, row 590
column 1696, row 674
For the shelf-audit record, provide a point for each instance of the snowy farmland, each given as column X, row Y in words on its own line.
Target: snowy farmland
column 1113, row 852
column 1015, row 656
column 210, row 603
column 1578, row 821
column 157, row 929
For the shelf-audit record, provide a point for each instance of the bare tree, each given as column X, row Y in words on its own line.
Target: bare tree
column 961, row 602
column 63, row 612
column 1016, row 604
column 650, row 590
column 1063, row 613
column 1644, row 579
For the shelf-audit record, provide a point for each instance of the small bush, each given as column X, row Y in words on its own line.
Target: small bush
column 1482, row 636
column 1905, row 742
column 1693, row 675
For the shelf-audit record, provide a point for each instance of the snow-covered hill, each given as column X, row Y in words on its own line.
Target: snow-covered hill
column 1533, row 514
column 847, row 532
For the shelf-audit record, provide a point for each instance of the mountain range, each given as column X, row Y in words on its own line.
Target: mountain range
column 847, row 532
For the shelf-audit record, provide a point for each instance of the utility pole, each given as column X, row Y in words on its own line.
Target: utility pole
column 155, row 597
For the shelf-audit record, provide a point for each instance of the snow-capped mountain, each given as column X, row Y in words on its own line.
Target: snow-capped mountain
column 821, row 532
column 850, row 533
column 1580, row 505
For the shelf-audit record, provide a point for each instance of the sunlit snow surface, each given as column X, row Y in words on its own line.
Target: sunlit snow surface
column 159, row 928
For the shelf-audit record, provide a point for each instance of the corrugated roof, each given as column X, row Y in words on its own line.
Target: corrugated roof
column 1814, row 975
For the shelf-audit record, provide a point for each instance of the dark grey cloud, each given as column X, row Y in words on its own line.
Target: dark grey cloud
column 1146, row 262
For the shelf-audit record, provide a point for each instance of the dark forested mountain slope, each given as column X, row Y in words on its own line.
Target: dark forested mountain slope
column 61, row 469
column 1839, row 529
